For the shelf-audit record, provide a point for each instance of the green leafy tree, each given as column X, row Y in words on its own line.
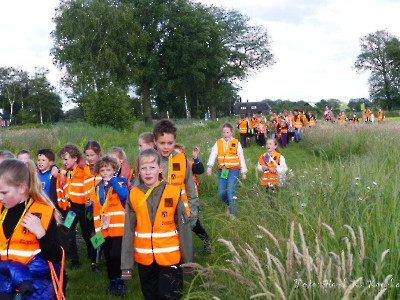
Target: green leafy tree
column 355, row 104
column 95, row 45
column 374, row 57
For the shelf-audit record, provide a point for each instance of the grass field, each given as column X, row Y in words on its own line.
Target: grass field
column 331, row 232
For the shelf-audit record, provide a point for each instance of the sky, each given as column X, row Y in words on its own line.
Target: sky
column 315, row 43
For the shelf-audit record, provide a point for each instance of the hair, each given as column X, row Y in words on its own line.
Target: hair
column 147, row 137
column 72, row 150
column 15, row 173
column 227, row 125
column 24, row 152
column 164, row 126
column 180, row 147
column 148, row 153
column 276, row 144
column 93, row 145
column 48, row 153
column 6, row 154
column 105, row 161
column 120, row 153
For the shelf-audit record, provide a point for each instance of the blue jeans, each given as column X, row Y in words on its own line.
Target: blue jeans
column 227, row 189
column 297, row 134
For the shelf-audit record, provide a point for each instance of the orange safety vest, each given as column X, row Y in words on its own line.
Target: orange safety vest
column 381, row 116
column 262, row 128
column 284, row 128
column 298, row 124
column 23, row 244
column 228, row 158
column 311, row 123
column 178, row 175
column 91, row 182
column 243, row 126
column 158, row 241
column 111, row 209
column 269, row 178
column 73, row 189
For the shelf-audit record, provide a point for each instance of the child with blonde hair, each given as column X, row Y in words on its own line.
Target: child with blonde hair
column 28, row 233
column 157, row 234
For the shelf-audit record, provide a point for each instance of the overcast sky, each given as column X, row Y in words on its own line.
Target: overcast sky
column 315, row 43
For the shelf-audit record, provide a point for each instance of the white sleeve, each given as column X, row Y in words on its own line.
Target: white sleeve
column 213, row 156
column 259, row 167
column 282, row 168
column 243, row 167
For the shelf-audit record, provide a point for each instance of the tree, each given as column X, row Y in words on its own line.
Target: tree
column 355, row 104
column 383, row 82
column 13, row 84
column 95, row 45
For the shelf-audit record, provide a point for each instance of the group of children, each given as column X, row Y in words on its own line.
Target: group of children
column 143, row 215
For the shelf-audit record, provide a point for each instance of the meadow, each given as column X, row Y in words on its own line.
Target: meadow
column 331, row 232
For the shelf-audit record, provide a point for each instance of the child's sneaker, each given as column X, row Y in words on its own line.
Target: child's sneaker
column 112, row 287
column 120, row 289
column 207, row 246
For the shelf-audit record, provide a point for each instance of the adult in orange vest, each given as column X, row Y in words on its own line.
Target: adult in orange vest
column 157, row 235
column 229, row 155
column 273, row 166
column 28, row 234
column 72, row 198
column 109, row 197
column 243, row 126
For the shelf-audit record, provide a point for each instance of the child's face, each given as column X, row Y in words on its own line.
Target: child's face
column 43, row 163
column 91, row 157
column 271, row 146
column 143, row 145
column 69, row 162
column 106, row 172
column 24, row 157
column 149, row 171
column 11, row 195
column 165, row 144
column 227, row 133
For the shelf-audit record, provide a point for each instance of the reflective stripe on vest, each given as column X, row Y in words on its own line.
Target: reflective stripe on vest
column 228, row 158
column 158, row 241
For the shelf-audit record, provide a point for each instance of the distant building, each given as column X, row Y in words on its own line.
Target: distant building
column 4, row 119
column 251, row 108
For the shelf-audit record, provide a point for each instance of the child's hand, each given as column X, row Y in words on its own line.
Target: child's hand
column 265, row 168
column 209, row 171
column 33, row 224
column 54, row 171
column 195, row 152
column 244, row 176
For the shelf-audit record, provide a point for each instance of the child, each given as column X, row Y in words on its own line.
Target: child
column 146, row 140
column 230, row 159
column 261, row 132
column 28, row 234
column 109, row 199
column 157, row 233
column 197, row 169
column 176, row 167
column 124, row 169
column 45, row 161
column 283, row 130
column 72, row 198
column 23, row 156
column 273, row 166
column 243, row 126
column 4, row 154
